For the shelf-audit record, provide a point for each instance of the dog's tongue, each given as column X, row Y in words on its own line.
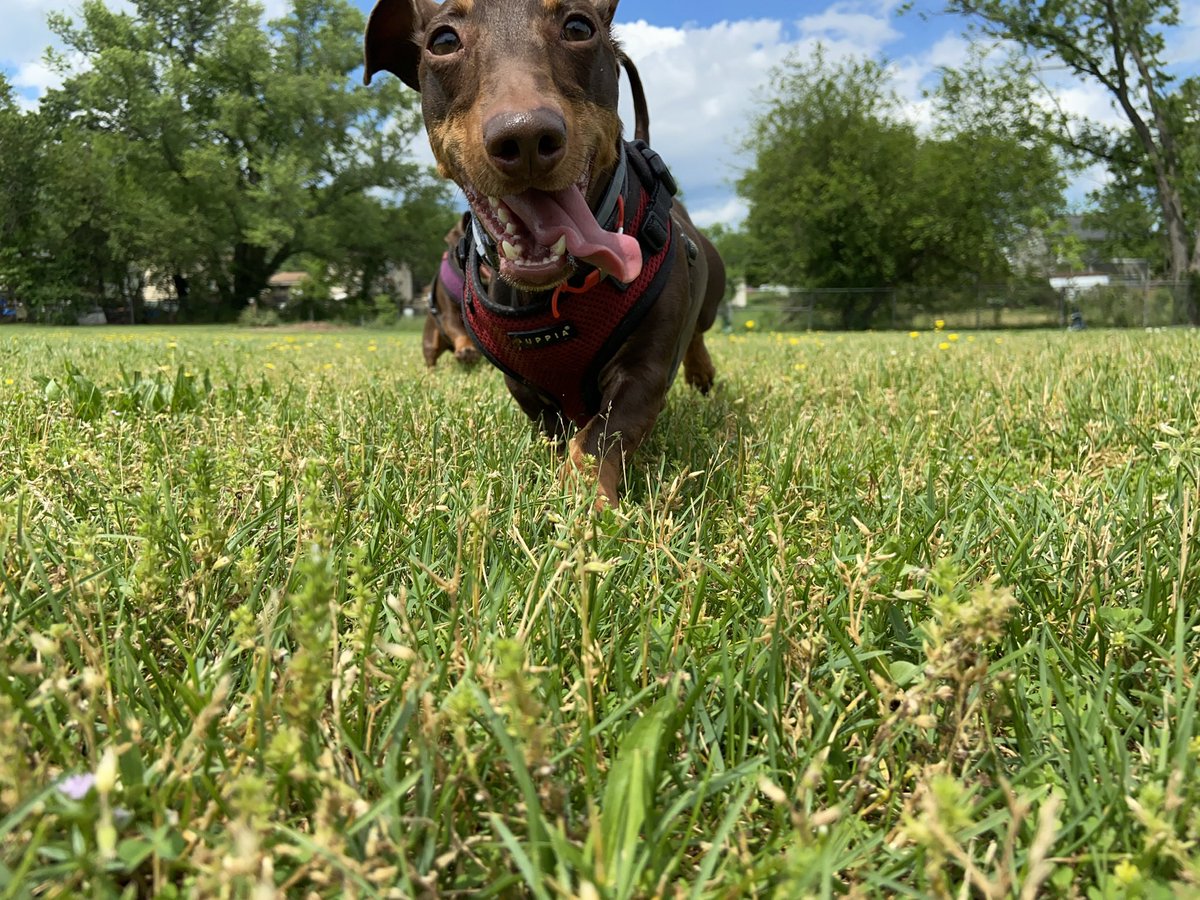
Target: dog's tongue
column 565, row 213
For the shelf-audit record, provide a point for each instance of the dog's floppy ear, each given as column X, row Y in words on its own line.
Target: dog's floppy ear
column 392, row 38
column 641, row 112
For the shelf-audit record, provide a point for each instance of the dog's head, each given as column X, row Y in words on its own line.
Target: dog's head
column 520, row 103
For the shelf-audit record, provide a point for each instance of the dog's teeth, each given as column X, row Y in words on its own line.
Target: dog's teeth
column 555, row 258
column 495, row 202
column 510, row 251
column 560, row 247
column 510, row 229
column 502, row 215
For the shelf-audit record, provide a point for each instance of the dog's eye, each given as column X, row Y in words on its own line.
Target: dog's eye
column 444, row 42
column 578, row 29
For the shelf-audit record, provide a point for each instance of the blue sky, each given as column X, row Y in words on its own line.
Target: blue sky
column 704, row 64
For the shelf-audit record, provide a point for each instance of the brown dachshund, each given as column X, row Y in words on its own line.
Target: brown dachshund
column 444, row 329
column 605, row 286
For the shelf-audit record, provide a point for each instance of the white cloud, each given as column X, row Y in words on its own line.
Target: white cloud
column 870, row 32
column 36, row 77
column 24, row 37
column 732, row 210
column 24, row 32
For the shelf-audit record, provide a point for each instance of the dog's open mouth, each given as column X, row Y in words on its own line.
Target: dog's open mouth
column 541, row 235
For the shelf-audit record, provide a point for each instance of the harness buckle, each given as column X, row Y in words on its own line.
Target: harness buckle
column 658, row 168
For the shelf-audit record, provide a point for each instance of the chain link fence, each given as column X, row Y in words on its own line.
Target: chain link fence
column 1119, row 303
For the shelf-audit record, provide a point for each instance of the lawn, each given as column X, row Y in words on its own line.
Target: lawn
column 888, row 615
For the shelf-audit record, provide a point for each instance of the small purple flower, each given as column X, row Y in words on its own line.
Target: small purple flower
column 77, row 786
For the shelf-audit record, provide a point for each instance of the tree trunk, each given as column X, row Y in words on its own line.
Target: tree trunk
column 1191, row 297
column 183, row 289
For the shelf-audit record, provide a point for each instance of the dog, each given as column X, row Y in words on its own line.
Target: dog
column 605, row 286
column 444, row 329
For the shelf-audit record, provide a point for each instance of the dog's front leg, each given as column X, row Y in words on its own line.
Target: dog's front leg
column 631, row 403
column 541, row 413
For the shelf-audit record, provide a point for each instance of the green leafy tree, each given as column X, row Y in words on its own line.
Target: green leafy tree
column 20, row 161
column 845, row 193
column 1121, row 46
column 243, row 146
column 737, row 252
column 61, row 241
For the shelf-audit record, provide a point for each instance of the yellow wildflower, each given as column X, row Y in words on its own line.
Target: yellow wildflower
column 1127, row 873
column 944, row 346
column 954, row 337
column 939, row 324
column 914, row 334
column 750, row 323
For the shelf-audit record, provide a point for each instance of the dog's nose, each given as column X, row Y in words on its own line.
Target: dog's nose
column 526, row 144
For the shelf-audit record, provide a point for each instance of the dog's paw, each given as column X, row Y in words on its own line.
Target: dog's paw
column 702, row 379
column 582, row 470
column 468, row 356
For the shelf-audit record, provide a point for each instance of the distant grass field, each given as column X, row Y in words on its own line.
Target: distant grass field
column 888, row 615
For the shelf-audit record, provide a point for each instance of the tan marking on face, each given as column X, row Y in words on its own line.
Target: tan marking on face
column 593, row 133
column 551, row 6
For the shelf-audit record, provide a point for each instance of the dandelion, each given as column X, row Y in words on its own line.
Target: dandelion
column 800, row 367
column 372, row 349
column 795, row 342
column 750, row 324
column 172, row 345
column 939, row 324
column 914, row 334
column 954, row 337
column 944, row 345
column 270, row 365
column 1127, row 873
column 999, row 340
column 970, row 338
column 10, row 381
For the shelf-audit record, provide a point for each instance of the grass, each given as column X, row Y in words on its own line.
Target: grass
column 283, row 612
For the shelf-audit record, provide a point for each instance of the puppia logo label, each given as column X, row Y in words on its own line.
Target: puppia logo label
column 543, row 337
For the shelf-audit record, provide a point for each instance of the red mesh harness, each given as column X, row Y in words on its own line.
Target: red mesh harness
column 559, row 344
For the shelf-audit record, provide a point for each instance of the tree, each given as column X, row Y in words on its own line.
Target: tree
column 845, row 193
column 737, row 252
column 241, row 146
column 1119, row 45
column 20, row 149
